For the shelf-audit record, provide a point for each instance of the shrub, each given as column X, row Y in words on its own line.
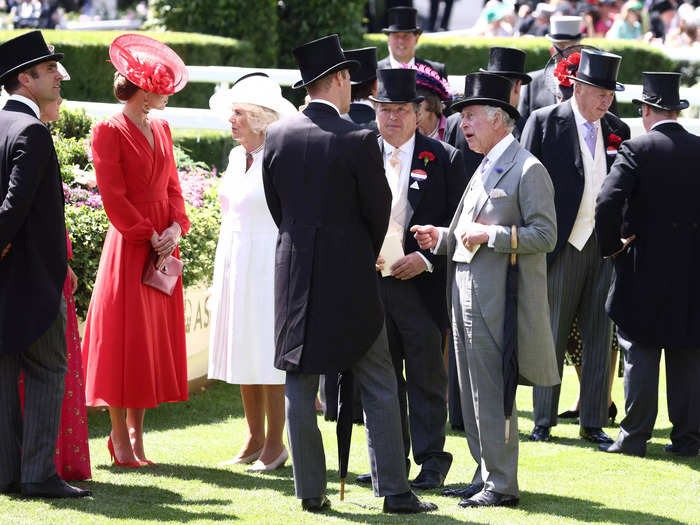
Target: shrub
column 209, row 147
column 87, row 52
column 255, row 22
column 301, row 21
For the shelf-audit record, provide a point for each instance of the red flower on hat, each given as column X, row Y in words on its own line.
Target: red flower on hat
column 426, row 157
column 566, row 67
column 614, row 142
column 155, row 78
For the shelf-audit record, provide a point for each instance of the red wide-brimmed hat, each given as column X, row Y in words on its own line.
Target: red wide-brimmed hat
column 148, row 63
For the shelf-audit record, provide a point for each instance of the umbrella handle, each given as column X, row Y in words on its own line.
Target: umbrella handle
column 513, row 244
column 507, row 429
column 342, row 489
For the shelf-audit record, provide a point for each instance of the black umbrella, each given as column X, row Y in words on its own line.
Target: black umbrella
column 343, row 428
column 510, row 334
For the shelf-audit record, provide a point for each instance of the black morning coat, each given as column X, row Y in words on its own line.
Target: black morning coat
column 550, row 135
column 434, row 201
column 326, row 190
column 33, row 272
column 653, row 189
column 439, row 67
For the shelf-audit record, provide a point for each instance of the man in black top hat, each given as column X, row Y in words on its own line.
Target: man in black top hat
column 402, row 35
column 426, row 181
column 661, row 14
column 363, row 82
column 325, row 188
column 577, row 141
column 650, row 199
column 33, row 269
column 511, row 187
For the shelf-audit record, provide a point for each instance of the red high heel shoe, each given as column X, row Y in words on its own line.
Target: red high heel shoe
column 132, row 464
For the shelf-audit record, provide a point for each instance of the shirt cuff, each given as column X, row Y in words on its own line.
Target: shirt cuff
column 434, row 250
column 493, row 230
column 427, row 262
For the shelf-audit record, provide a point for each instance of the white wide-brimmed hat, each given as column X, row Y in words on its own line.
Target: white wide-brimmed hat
column 254, row 88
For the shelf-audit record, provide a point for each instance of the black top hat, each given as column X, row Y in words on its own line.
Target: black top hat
column 367, row 57
column 662, row 90
column 660, row 6
column 598, row 68
column 396, row 86
column 23, row 52
column 487, row 89
column 319, row 58
column 402, row 20
column 508, row 62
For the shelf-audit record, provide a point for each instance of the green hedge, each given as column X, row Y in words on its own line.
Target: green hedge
column 255, row 22
column 87, row 52
column 210, row 147
column 464, row 55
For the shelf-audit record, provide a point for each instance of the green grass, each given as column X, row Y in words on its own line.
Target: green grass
column 565, row 481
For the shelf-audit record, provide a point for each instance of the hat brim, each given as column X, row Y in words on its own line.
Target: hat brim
column 352, row 65
column 23, row 67
column 616, row 87
column 482, row 101
column 418, row 99
column 564, row 38
column 388, row 30
column 524, row 77
column 358, row 82
column 682, row 104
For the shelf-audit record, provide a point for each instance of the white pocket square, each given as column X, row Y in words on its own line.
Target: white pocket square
column 415, row 185
column 497, row 193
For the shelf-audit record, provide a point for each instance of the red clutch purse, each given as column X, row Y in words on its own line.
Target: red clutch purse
column 162, row 280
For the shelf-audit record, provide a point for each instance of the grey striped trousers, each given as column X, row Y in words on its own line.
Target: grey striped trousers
column 578, row 284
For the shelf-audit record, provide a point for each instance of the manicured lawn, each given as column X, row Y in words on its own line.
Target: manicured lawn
column 565, row 481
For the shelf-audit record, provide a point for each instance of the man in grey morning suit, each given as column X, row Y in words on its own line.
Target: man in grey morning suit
column 510, row 187
column 32, row 273
column 325, row 188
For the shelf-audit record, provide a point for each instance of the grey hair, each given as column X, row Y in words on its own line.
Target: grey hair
column 508, row 121
column 259, row 117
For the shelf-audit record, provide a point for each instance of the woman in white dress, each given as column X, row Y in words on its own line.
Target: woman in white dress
column 241, row 346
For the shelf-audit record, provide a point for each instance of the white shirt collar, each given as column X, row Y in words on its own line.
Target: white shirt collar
column 322, row 101
column 406, row 147
column 395, row 64
column 665, row 121
column 500, row 147
column 24, row 100
column 580, row 119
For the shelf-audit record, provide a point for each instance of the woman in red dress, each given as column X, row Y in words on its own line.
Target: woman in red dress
column 134, row 352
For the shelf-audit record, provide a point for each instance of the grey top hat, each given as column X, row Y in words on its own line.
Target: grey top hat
column 565, row 28
column 662, row 90
column 23, row 52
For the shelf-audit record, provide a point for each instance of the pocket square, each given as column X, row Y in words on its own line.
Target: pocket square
column 497, row 193
column 415, row 185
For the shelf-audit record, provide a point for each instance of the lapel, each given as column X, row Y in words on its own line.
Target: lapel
column 415, row 195
column 19, row 107
column 495, row 174
column 567, row 126
column 606, row 130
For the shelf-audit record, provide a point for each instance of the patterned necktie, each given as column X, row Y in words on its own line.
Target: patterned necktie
column 590, row 137
column 393, row 174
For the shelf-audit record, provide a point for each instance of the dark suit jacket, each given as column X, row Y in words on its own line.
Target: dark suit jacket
column 434, row 202
column 385, row 63
column 654, row 186
column 455, row 137
column 362, row 115
column 550, row 134
column 326, row 190
column 31, row 219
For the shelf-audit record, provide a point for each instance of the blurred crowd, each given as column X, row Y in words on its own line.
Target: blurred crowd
column 660, row 22
column 52, row 14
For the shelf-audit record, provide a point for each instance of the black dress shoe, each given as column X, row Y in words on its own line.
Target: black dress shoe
column 464, row 492
column 428, row 479
column 594, row 435
column 490, row 498
column 407, row 503
column 315, row 504
column 569, row 414
column 54, row 487
column 615, row 448
column 539, row 433
column 364, row 479
column 672, row 448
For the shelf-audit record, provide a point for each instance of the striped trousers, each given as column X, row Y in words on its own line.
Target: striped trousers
column 578, row 284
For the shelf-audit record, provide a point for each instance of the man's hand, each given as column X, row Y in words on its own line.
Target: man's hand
column 474, row 235
column 408, row 266
column 379, row 265
column 427, row 236
column 73, row 280
column 5, row 251
column 167, row 241
column 625, row 243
